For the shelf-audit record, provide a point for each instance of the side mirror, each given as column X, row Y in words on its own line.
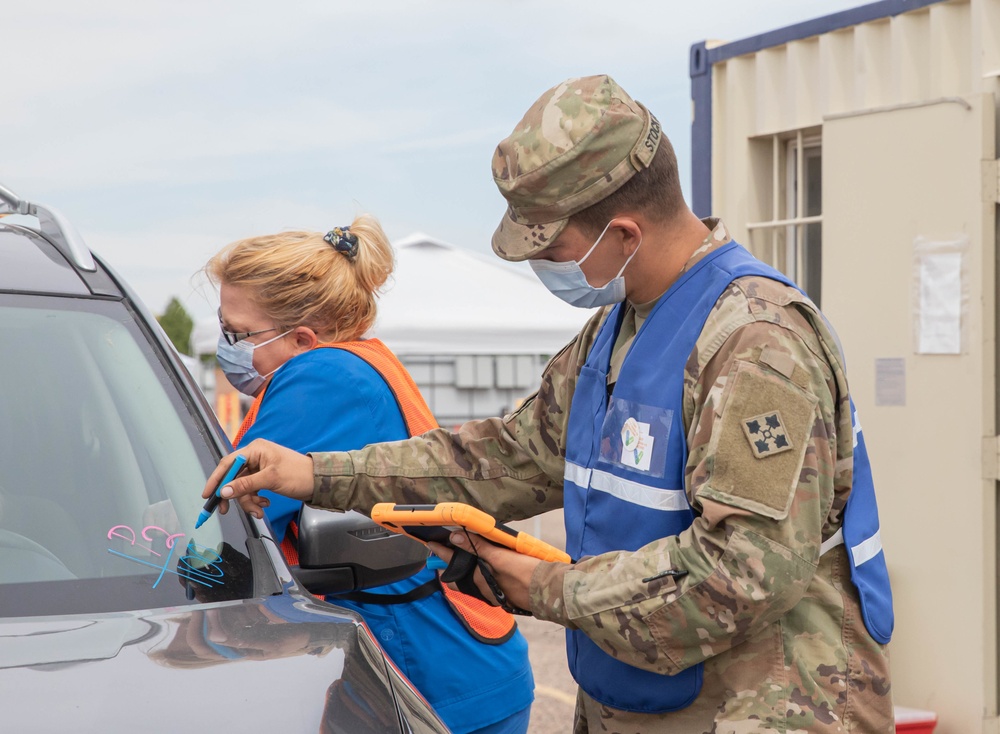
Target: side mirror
column 346, row 551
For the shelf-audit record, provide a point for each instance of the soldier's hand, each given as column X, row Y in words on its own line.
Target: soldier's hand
column 269, row 466
column 512, row 570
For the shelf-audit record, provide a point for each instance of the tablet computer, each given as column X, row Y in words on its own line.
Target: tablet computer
column 435, row 523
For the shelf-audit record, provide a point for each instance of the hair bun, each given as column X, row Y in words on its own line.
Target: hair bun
column 344, row 241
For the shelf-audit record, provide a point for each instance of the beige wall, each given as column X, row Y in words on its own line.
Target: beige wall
column 906, row 110
column 883, row 189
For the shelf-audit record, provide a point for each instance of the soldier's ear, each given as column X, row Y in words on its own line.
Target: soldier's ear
column 627, row 232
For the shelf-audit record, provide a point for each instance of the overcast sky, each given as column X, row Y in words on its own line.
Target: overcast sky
column 165, row 130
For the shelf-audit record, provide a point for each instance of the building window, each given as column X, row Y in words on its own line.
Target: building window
column 789, row 206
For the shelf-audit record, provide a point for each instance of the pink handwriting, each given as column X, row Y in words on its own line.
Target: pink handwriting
column 199, row 564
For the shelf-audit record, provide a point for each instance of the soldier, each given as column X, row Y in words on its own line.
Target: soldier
column 698, row 432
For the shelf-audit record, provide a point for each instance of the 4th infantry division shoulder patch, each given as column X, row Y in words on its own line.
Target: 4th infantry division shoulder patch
column 766, row 435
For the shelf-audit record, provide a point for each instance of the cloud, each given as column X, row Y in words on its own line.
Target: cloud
column 166, row 129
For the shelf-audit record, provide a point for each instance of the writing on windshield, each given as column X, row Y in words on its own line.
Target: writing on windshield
column 195, row 563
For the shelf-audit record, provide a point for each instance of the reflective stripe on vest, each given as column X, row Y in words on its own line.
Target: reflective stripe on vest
column 626, row 456
column 869, row 547
column 863, row 552
column 488, row 624
column 624, row 489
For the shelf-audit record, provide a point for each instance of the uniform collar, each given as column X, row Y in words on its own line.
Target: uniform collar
column 718, row 236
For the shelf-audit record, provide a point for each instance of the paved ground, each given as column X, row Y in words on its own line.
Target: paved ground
column 555, row 690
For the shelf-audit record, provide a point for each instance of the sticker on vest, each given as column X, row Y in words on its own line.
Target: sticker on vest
column 637, row 445
column 766, row 435
column 634, row 436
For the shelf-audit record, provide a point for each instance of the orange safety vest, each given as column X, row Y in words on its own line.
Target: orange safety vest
column 486, row 623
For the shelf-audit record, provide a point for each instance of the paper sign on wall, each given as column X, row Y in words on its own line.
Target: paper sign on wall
column 940, row 295
column 890, row 381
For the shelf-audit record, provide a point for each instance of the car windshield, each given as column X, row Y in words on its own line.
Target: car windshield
column 101, row 466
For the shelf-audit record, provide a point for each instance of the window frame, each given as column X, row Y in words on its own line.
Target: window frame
column 786, row 223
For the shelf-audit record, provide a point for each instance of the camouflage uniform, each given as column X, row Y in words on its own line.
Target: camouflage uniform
column 777, row 626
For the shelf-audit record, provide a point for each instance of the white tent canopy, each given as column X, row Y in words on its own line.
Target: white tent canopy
column 444, row 299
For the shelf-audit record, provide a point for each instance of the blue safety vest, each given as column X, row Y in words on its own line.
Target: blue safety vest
column 626, row 454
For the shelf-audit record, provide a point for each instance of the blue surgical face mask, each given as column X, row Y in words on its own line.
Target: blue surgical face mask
column 567, row 281
column 236, row 361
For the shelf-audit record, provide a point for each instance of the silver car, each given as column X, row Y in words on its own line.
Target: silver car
column 115, row 613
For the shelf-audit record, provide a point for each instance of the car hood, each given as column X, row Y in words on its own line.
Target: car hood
column 277, row 664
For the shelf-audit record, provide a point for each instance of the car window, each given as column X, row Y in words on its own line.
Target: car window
column 101, row 466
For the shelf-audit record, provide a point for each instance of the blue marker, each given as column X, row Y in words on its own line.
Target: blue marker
column 212, row 502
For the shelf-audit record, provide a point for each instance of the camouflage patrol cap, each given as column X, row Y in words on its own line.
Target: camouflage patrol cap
column 579, row 142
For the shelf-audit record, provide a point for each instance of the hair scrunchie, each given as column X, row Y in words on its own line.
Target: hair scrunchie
column 344, row 241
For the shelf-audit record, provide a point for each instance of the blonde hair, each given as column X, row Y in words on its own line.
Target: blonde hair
column 299, row 279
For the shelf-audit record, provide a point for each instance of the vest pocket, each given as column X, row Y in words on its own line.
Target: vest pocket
column 635, row 437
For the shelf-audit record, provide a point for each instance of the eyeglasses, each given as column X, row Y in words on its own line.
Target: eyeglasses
column 232, row 337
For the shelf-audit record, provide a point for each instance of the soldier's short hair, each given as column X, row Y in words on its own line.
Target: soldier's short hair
column 655, row 192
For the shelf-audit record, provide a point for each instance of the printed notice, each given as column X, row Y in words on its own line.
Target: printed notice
column 940, row 316
column 890, row 381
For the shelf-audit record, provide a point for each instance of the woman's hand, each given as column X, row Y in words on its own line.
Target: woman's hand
column 269, row 466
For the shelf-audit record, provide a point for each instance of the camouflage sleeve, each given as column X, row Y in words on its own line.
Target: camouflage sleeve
column 511, row 467
column 760, row 418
